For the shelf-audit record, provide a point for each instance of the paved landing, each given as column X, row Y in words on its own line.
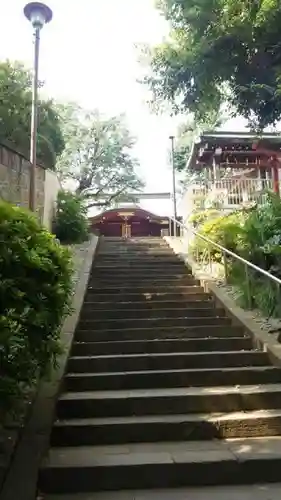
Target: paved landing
column 255, row 492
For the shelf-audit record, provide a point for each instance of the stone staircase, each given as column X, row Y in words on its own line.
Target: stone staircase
column 161, row 390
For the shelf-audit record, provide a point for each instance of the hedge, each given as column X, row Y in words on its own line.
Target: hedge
column 35, row 296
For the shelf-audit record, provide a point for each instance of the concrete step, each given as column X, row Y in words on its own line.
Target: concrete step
column 160, row 465
column 149, row 429
column 175, row 312
column 148, row 290
column 135, row 323
column 96, row 297
column 165, row 345
column 166, row 361
column 147, row 304
column 168, row 401
column 246, row 492
column 163, row 332
column 78, row 382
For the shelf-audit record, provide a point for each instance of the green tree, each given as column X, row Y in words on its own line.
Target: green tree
column 71, row 221
column 98, row 156
column 220, row 51
column 187, row 133
column 15, row 115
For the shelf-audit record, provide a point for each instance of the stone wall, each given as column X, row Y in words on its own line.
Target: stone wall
column 15, row 179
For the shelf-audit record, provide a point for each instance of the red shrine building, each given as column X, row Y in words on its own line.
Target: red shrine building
column 231, row 169
column 237, row 153
column 129, row 222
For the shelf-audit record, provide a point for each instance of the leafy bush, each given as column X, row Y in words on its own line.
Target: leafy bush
column 198, row 217
column 260, row 244
column 255, row 235
column 35, row 295
column 71, row 222
column 224, row 230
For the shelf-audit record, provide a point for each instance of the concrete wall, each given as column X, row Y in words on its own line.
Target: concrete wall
column 52, row 187
column 15, row 183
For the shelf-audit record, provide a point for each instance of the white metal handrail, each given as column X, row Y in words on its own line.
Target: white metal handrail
column 226, row 252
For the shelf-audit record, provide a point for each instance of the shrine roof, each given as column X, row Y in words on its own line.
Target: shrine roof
column 219, row 134
column 133, row 211
column 238, row 145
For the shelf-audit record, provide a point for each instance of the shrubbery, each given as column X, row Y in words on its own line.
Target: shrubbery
column 198, row 217
column 35, row 295
column 255, row 235
column 71, row 222
column 224, row 230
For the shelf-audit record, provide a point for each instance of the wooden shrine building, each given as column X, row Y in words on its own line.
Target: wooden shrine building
column 129, row 222
column 237, row 152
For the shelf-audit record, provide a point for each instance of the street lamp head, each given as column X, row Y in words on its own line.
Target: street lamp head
column 38, row 14
column 171, row 137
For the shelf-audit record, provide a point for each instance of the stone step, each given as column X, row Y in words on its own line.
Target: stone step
column 269, row 491
column 145, row 289
column 138, row 268
column 168, row 401
column 166, row 361
column 120, row 269
column 161, row 465
column 164, row 345
column 133, row 252
column 77, row 382
column 163, row 332
column 147, row 304
column 175, row 312
column 131, row 245
column 129, row 279
column 135, row 323
column 149, row 429
column 139, row 265
column 140, row 261
column 134, row 241
column 96, row 297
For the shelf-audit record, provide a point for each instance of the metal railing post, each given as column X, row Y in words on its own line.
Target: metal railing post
column 277, row 296
column 248, row 286
column 225, row 267
column 197, row 254
column 210, row 257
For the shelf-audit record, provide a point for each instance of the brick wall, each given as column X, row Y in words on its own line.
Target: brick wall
column 15, row 179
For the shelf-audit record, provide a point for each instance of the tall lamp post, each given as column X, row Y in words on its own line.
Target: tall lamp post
column 172, row 139
column 38, row 14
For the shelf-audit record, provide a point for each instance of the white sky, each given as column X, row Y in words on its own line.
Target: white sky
column 88, row 55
